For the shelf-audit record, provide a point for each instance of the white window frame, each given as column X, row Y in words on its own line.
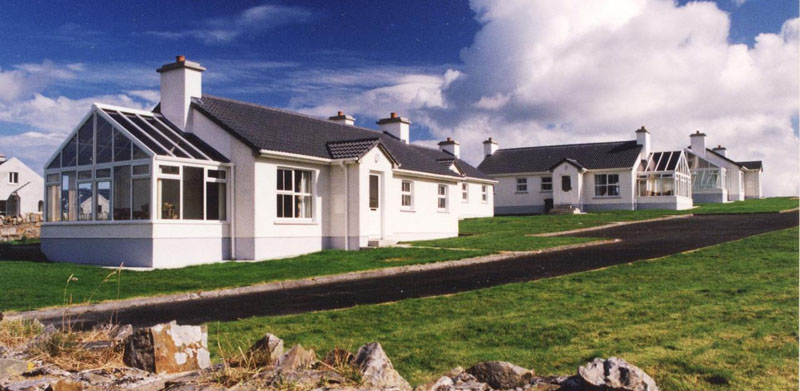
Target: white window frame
column 522, row 185
column 291, row 192
column 484, row 193
column 13, row 178
column 464, row 192
column 441, row 197
column 407, row 193
column 607, row 186
column 544, row 183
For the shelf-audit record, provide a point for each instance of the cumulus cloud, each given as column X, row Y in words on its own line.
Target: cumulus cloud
column 541, row 72
column 254, row 20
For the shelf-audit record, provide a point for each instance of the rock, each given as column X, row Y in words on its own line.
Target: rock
column 10, row 368
column 40, row 341
column 297, row 358
column 66, row 385
column 617, row 374
column 30, row 385
column 120, row 333
column 168, row 348
column 97, row 345
column 455, row 371
column 267, row 350
column 466, row 382
column 443, row 384
column 501, row 374
column 377, row 370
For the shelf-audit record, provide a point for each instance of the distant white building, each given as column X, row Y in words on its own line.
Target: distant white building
column 20, row 188
column 204, row 178
column 717, row 178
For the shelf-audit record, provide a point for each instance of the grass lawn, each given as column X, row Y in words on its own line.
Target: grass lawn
column 27, row 285
column 724, row 317
column 773, row 204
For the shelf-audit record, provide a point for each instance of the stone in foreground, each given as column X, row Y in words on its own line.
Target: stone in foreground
column 377, row 370
column 10, row 367
column 168, row 348
column 501, row 374
column 616, row 374
column 267, row 350
column 296, row 358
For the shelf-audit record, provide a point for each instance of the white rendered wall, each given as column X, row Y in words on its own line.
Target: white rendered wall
column 752, row 184
column 572, row 197
column 508, row 200
column 475, row 206
column 734, row 181
column 627, row 192
column 31, row 194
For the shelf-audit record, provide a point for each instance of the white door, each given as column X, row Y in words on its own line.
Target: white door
column 375, row 212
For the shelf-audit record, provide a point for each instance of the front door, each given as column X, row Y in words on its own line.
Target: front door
column 375, row 211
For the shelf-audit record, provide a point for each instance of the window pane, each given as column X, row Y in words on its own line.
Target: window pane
column 52, row 178
column 143, row 169
column 406, row 186
column 215, row 201
column 566, row 183
column 613, row 179
column 600, row 179
column 85, row 174
column 68, row 197
column 281, row 175
column 104, row 136
column 172, row 170
column 56, row 163
column 53, row 210
column 141, row 199
column 373, row 192
column 104, row 173
column 86, row 143
column 122, row 147
column 103, row 202
column 193, row 180
column 600, row 190
column 306, row 184
column 138, row 153
column 613, row 190
column 69, row 154
column 287, row 206
column 169, row 198
column 122, row 193
column 307, row 207
column 85, row 201
column 219, row 174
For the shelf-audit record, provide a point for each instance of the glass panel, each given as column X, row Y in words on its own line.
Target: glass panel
column 122, row 193
column 102, row 205
column 219, row 174
column 85, row 201
column 122, row 147
column 86, row 143
column 68, row 197
column 53, row 192
column 172, row 136
column 193, row 180
column 373, row 192
column 56, row 163
column 566, row 183
column 600, row 179
column 104, row 136
column 138, row 153
column 103, row 173
column 215, row 201
column 613, row 190
column 143, row 169
column 171, row 170
column 137, row 134
column 141, row 198
column 157, row 136
column 69, row 155
column 307, row 207
column 286, row 206
column 281, row 179
column 52, row 178
column 169, row 199
column 613, row 179
column 83, row 175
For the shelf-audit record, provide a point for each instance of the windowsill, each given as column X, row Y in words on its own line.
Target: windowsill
column 408, row 210
column 99, row 222
column 442, row 211
column 179, row 221
column 521, row 192
column 546, row 191
column 295, row 222
column 606, row 198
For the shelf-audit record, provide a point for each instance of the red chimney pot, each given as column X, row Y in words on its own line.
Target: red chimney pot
column 180, row 58
column 393, row 115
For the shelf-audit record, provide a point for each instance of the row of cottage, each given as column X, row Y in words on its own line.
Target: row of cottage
column 202, row 178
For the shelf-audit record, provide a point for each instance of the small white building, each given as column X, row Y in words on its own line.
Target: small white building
column 716, row 178
column 203, row 179
column 20, row 188
column 622, row 175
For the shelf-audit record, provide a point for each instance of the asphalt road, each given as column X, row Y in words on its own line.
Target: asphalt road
column 639, row 241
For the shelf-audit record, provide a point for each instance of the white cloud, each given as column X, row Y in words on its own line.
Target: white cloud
column 543, row 72
column 252, row 21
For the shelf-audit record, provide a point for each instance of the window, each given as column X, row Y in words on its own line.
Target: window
column 442, row 197
column 68, row 196
column 606, row 185
column 193, row 182
column 86, row 145
column 169, row 198
column 485, row 193
column 566, row 183
column 103, row 138
column 216, row 195
column 547, row 183
column 374, row 192
column 465, row 192
column 122, row 192
column 13, row 178
column 85, row 201
column 102, row 205
column 53, row 197
column 141, row 199
column 294, row 194
column 406, row 195
column 522, row 185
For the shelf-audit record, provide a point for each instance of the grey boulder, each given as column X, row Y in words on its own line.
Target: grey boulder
column 501, row 374
column 616, row 374
column 377, row 370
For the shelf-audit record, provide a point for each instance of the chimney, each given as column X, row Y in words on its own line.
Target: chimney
column 489, row 147
column 721, row 150
column 450, row 146
column 395, row 125
column 698, row 144
column 643, row 139
column 180, row 82
column 342, row 118
column 2, row 158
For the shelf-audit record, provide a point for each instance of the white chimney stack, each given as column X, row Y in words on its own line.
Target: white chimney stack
column 180, row 82
column 698, row 144
column 396, row 126
column 643, row 139
column 451, row 146
column 490, row 147
column 342, row 118
column 721, row 150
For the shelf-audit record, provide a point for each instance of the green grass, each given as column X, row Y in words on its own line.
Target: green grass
column 21, row 242
column 721, row 318
column 27, row 285
column 766, row 205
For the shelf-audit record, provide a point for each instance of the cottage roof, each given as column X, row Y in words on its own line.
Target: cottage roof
column 592, row 156
column 752, row 165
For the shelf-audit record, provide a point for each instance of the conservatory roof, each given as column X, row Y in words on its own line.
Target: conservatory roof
column 663, row 161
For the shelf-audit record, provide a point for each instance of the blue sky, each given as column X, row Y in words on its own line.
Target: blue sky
column 423, row 58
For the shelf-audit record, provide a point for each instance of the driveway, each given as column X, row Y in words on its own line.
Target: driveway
column 639, row 241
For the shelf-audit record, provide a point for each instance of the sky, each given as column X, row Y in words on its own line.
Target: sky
column 525, row 72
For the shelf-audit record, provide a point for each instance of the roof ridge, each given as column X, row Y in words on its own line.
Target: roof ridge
column 355, row 140
column 568, row 145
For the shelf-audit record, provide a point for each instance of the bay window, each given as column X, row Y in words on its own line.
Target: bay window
column 294, row 198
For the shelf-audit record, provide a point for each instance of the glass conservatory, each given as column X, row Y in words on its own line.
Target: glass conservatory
column 122, row 165
column 665, row 174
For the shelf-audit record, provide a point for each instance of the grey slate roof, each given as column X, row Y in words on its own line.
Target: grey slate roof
column 593, row 156
column 266, row 128
column 752, row 165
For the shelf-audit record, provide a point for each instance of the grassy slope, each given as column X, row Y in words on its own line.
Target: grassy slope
column 27, row 285
column 724, row 317
column 774, row 204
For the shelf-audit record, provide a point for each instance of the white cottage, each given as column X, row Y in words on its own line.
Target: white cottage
column 621, row 175
column 202, row 179
column 20, row 188
column 716, row 178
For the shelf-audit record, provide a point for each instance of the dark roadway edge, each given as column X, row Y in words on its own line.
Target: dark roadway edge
column 639, row 242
